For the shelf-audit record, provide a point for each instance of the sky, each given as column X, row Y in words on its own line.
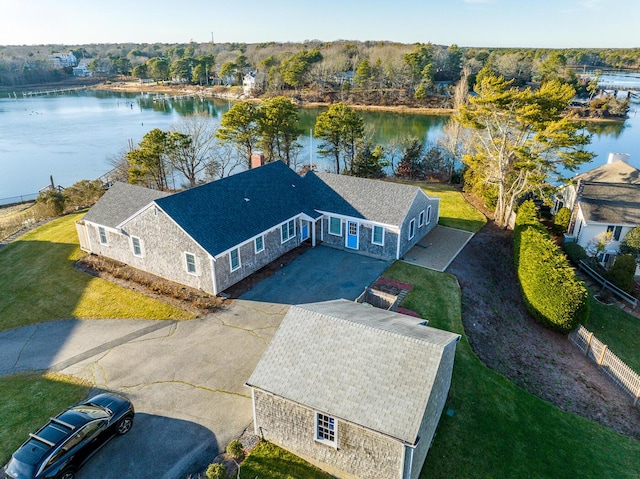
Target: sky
column 468, row 23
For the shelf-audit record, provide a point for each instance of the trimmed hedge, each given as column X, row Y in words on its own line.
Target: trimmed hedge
column 622, row 272
column 552, row 293
column 575, row 252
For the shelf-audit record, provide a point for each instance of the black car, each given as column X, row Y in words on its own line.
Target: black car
column 63, row 445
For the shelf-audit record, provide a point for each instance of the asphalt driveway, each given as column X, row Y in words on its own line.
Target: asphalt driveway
column 320, row 274
column 186, row 380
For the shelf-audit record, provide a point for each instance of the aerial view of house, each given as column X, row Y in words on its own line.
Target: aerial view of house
column 214, row 235
column 353, row 389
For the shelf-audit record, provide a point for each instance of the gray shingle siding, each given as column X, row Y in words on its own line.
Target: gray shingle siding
column 361, row 453
column 421, row 202
column 365, row 245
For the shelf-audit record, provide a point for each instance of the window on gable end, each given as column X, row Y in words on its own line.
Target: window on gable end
column 234, row 259
column 190, row 259
column 421, row 219
column 412, row 228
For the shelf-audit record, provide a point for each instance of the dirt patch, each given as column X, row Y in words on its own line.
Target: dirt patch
column 509, row 341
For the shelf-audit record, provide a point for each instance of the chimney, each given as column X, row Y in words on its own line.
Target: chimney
column 257, row 159
column 613, row 157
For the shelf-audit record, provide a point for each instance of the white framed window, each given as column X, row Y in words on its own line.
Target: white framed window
column 326, row 429
column 335, row 226
column 190, row 260
column 259, row 244
column 421, row 219
column 378, row 235
column 137, row 246
column 412, row 228
column 103, row 235
column 428, row 214
column 288, row 230
column 615, row 232
column 234, row 259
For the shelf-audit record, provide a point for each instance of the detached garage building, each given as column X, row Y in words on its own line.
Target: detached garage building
column 358, row 391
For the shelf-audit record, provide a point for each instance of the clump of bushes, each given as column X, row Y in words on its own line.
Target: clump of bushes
column 622, row 272
column 561, row 220
column 552, row 293
column 216, row 471
column 575, row 252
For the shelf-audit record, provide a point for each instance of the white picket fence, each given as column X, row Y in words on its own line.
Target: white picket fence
column 611, row 365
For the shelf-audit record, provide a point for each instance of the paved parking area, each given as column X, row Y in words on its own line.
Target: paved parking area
column 186, row 380
column 320, row 274
column 438, row 248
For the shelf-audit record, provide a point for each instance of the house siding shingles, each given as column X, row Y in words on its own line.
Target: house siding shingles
column 365, row 245
column 420, row 203
column 360, row 453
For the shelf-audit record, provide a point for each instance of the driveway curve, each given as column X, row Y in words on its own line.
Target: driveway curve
column 186, row 380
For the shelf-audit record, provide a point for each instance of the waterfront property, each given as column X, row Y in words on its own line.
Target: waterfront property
column 212, row 236
column 605, row 205
column 356, row 390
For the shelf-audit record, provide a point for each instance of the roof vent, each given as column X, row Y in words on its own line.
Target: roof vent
column 246, row 199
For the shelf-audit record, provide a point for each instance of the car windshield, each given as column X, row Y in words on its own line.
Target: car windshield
column 19, row 470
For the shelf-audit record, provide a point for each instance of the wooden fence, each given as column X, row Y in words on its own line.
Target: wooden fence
column 611, row 365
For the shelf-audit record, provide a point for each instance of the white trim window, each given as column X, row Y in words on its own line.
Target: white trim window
column 421, row 219
column 335, row 226
column 326, row 428
column 378, row 235
column 412, row 228
column 428, row 214
column 259, row 244
column 234, row 259
column 136, row 244
column 190, row 261
column 288, row 230
column 103, row 235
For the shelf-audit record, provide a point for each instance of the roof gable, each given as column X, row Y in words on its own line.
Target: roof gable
column 120, row 202
column 616, row 172
column 380, row 201
column 361, row 364
column 611, row 203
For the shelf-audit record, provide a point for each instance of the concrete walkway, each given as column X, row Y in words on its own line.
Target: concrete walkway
column 186, row 380
column 438, row 248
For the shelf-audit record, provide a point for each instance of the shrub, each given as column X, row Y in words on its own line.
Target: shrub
column 53, row 202
column 622, row 272
column 216, row 471
column 561, row 221
column 552, row 293
column 235, row 450
column 575, row 252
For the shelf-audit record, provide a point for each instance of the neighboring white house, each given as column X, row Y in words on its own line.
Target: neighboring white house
column 62, row 60
column 248, row 83
column 82, row 70
column 603, row 200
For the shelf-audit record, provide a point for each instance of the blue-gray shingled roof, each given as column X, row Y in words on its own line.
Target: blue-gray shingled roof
column 365, row 365
column 221, row 214
column 120, row 202
column 381, row 201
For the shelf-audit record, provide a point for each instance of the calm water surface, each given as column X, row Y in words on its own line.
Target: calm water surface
column 73, row 136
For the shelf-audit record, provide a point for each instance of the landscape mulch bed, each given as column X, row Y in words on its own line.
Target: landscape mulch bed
column 509, row 341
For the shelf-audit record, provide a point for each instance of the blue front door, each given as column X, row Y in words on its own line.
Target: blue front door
column 352, row 234
column 304, row 230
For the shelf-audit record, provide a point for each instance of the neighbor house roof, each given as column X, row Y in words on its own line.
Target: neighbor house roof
column 611, row 203
column 361, row 364
column 221, row 214
column 380, row 201
column 120, row 202
column 616, row 172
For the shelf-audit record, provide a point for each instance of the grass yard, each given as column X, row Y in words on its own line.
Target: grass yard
column 39, row 283
column 498, row 430
column 455, row 210
column 28, row 400
column 268, row 461
column 620, row 331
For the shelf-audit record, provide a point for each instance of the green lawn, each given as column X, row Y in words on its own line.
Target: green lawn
column 498, row 430
column 620, row 331
column 28, row 400
column 268, row 461
column 455, row 210
column 39, row 283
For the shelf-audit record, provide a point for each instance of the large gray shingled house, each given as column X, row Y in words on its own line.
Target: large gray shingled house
column 353, row 389
column 212, row 236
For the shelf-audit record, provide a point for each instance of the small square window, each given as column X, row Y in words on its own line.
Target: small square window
column 234, row 259
column 191, row 263
column 259, row 244
column 103, row 235
column 335, row 226
column 137, row 247
column 378, row 235
column 326, row 429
